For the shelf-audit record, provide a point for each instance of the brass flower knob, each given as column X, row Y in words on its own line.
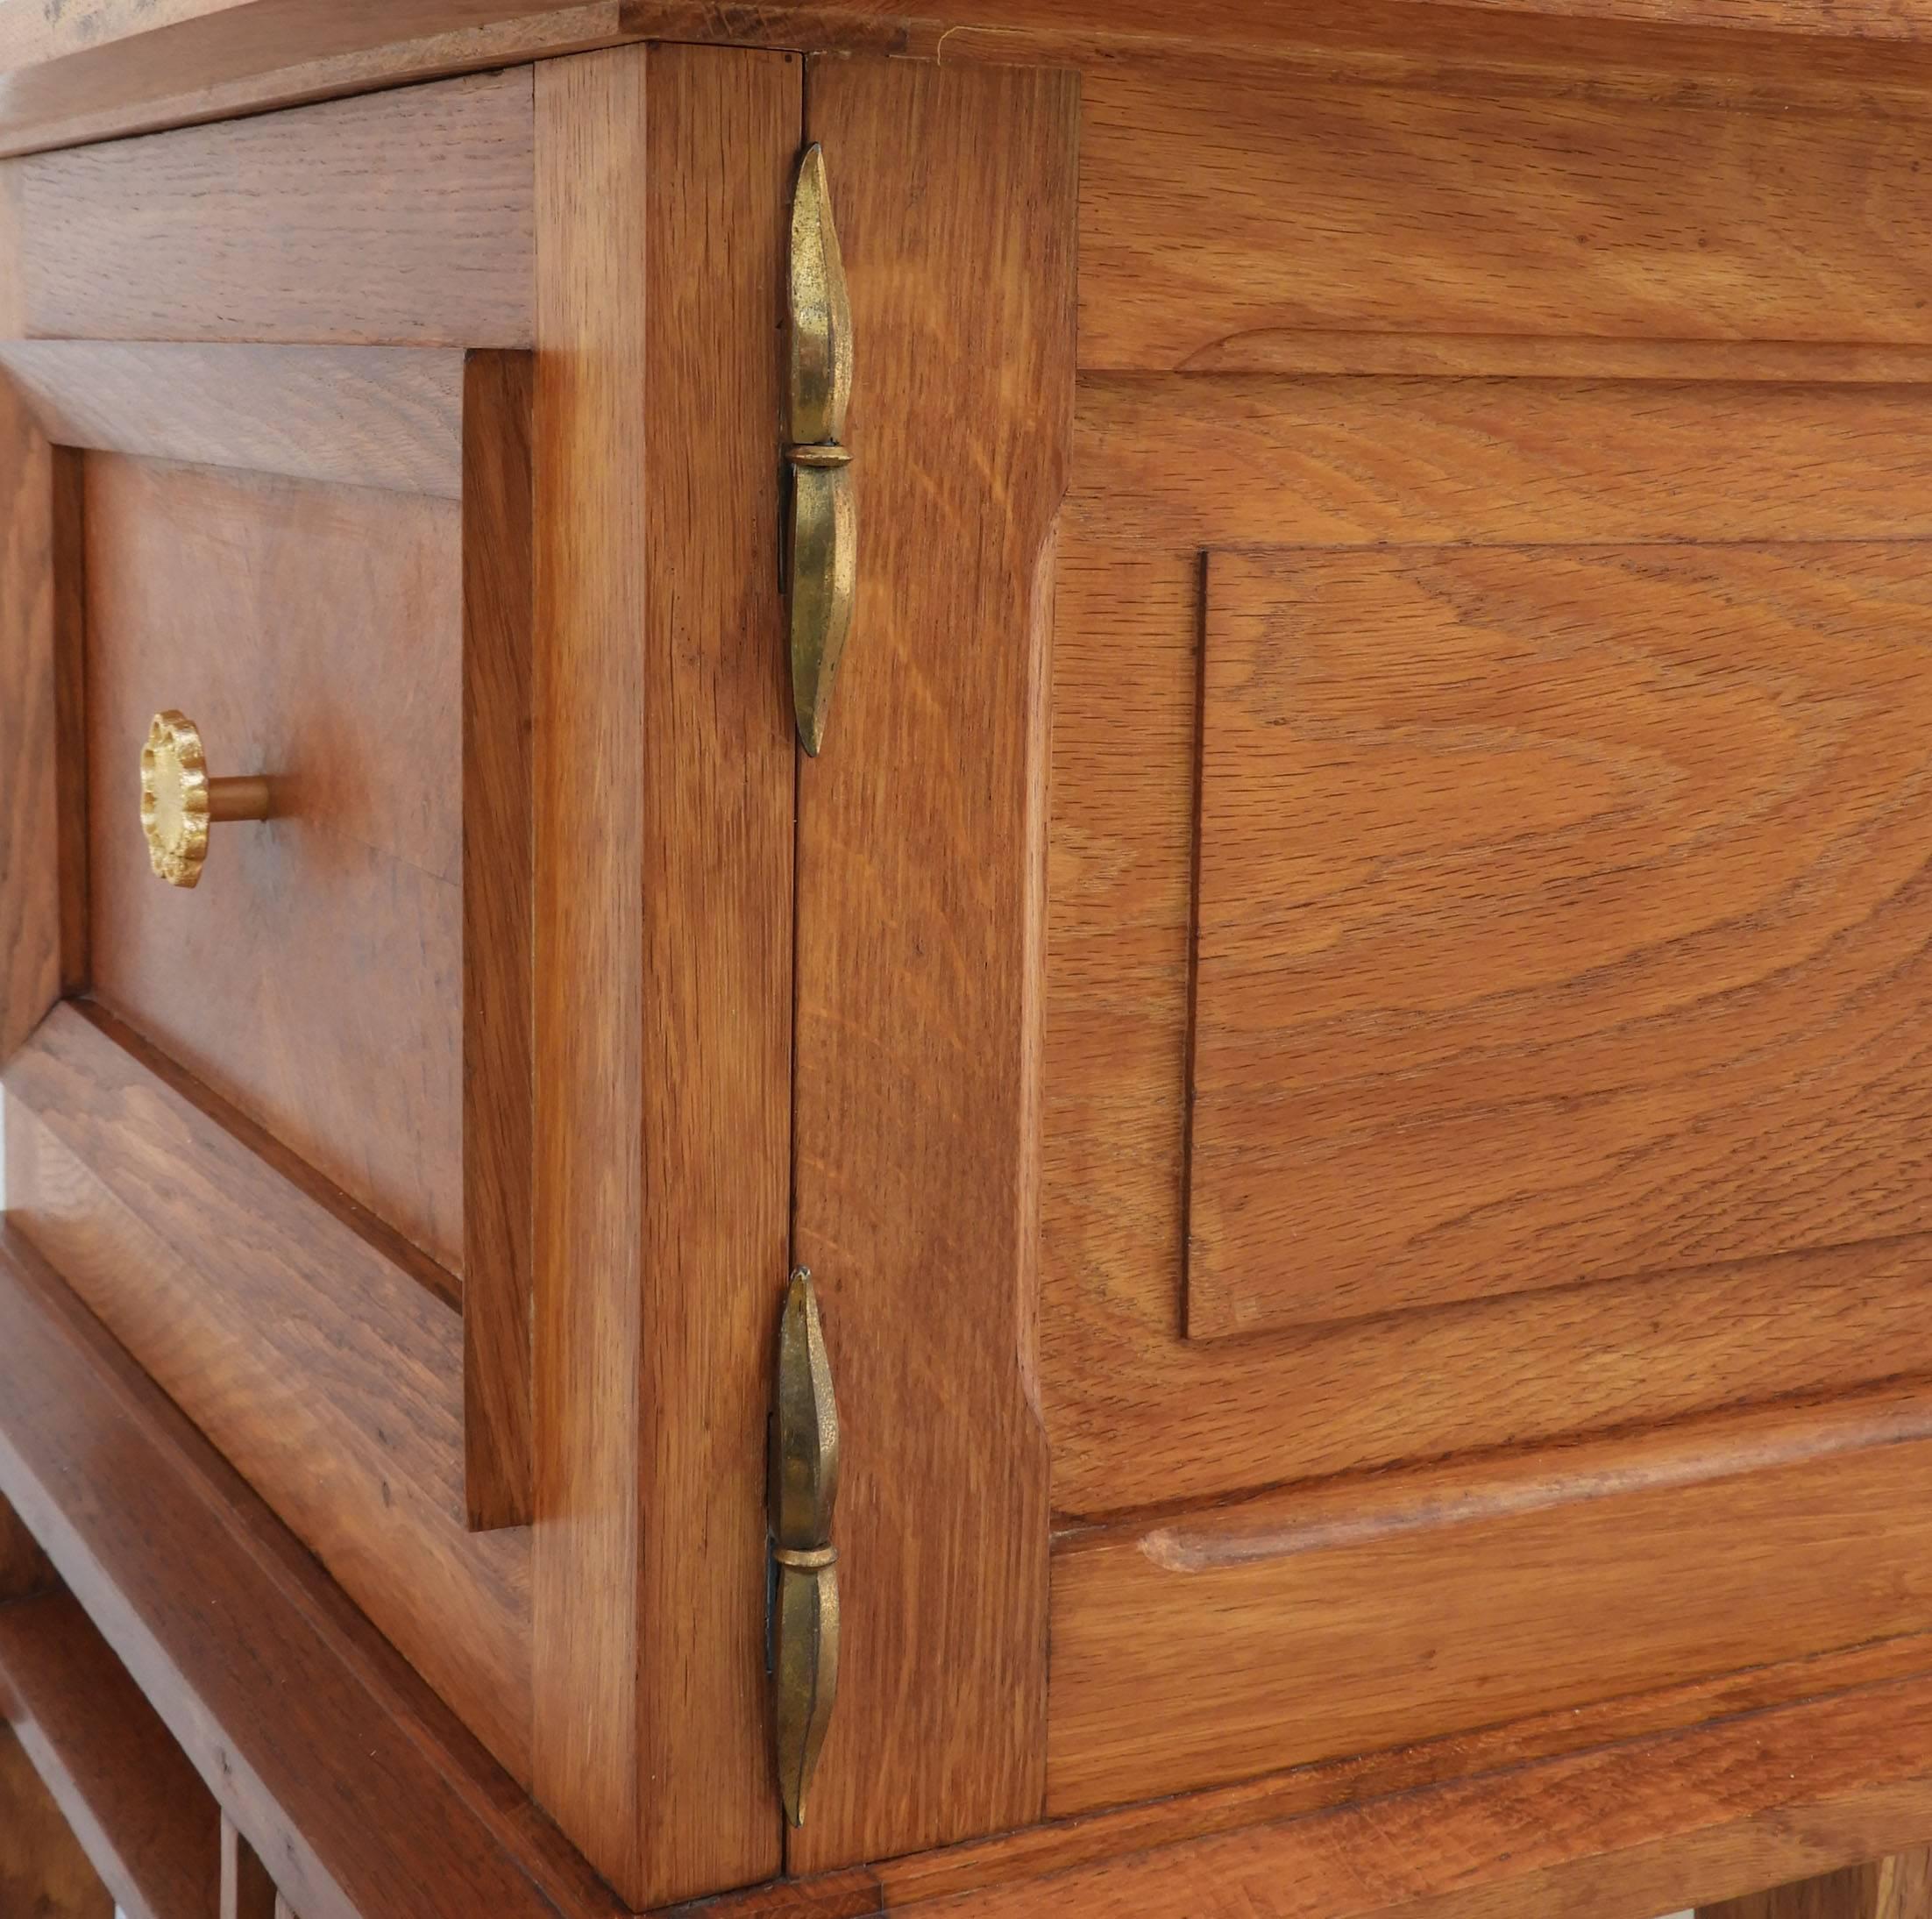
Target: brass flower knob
column 179, row 802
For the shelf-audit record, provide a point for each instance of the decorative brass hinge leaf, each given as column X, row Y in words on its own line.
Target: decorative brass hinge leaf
column 822, row 541
column 804, row 1487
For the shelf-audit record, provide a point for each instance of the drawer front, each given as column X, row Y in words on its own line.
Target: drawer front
column 313, row 976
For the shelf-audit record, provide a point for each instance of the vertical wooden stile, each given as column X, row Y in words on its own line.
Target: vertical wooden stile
column 922, row 842
column 664, row 989
column 498, row 934
column 37, row 924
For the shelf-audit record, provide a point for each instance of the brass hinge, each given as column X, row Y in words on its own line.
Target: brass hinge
column 822, row 540
column 805, row 1584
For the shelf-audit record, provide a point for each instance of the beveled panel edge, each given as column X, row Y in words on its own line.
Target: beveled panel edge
column 1143, row 1421
column 387, row 416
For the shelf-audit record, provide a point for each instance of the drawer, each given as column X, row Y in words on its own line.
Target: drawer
column 312, row 975
column 280, row 1133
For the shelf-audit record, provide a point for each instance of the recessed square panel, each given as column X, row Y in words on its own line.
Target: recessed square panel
column 1563, row 915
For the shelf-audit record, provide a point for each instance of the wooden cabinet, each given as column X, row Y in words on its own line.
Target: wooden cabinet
column 1336, row 1017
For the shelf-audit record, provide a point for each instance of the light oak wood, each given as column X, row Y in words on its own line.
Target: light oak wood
column 664, row 790
column 401, row 218
column 67, row 102
column 1638, row 1827
column 228, row 1282
column 1374, row 1779
column 331, row 1756
column 1139, row 1416
column 314, row 976
column 1303, row 1626
column 1560, row 916
column 1898, row 1887
column 1500, row 1824
column 362, row 416
column 498, row 937
column 1518, row 356
column 101, row 70
column 43, row 1870
column 1245, row 460
column 1236, row 205
column 921, row 842
column 147, row 1825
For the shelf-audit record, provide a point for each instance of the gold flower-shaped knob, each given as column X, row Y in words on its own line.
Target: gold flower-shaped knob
column 179, row 802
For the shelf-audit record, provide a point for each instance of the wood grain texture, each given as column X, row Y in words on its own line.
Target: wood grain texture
column 31, row 877
column 111, row 66
column 333, row 1759
column 246, row 1890
column 1245, row 460
column 73, row 102
column 43, row 1870
column 1162, row 465
column 1561, row 914
column 1757, row 1816
column 664, row 790
column 315, row 976
column 1641, row 1826
column 401, row 218
column 1520, row 356
column 1063, row 1845
column 922, row 842
column 498, row 937
column 1898, row 1887
column 1140, row 1416
column 1444, row 214
column 1306, row 1626
column 147, row 1825
column 363, row 417
column 227, row 1282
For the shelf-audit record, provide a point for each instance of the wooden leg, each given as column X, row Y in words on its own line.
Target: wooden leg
column 1900, row 1888
column 42, row 1870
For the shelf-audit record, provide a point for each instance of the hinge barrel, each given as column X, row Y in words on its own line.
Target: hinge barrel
column 822, row 538
column 803, row 1490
